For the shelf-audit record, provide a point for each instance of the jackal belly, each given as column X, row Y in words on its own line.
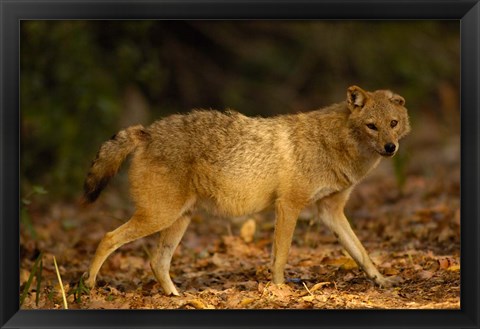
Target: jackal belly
column 236, row 197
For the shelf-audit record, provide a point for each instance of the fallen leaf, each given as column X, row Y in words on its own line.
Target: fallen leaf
column 349, row 264
column 246, row 301
column 390, row 271
column 306, row 262
column 425, row 275
column 444, row 263
column 456, row 218
column 197, row 303
column 454, row 268
column 100, row 304
column 346, row 263
column 308, row 298
column 24, row 274
column 349, row 276
column 219, row 261
column 280, row 291
column 237, row 247
column 319, row 285
column 446, row 234
column 248, row 230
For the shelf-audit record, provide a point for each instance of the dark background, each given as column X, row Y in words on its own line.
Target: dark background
column 81, row 81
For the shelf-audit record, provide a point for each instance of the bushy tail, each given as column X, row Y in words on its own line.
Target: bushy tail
column 109, row 158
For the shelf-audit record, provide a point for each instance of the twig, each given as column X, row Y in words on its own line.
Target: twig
column 265, row 289
column 65, row 306
column 307, row 288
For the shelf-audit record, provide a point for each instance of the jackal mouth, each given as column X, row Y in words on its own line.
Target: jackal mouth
column 386, row 154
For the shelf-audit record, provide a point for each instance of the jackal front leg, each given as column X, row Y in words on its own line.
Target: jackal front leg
column 331, row 212
column 286, row 218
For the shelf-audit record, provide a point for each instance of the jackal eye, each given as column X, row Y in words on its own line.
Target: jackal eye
column 371, row 126
column 393, row 123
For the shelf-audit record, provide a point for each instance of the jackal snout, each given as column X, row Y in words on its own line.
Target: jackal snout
column 390, row 148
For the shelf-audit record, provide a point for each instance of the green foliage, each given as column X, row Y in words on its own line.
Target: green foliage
column 36, row 269
column 39, row 279
column 25, row 218
column 78, row 291
column 74, row 75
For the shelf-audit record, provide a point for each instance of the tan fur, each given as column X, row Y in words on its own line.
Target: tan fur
column 234, row 165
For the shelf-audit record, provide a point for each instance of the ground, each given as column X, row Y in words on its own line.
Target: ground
column 410, row 229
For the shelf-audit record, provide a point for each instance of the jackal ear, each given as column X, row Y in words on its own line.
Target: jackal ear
column 356, row 97
column 397, row 99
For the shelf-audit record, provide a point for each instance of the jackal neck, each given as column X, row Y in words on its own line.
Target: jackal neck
column 332, row 146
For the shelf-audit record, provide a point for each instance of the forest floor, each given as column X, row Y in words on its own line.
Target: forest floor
column 411, row 231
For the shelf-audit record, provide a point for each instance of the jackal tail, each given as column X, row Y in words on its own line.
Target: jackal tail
column 109, row 157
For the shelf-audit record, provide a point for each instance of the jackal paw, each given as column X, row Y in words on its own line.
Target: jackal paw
column 87, row 281
column 171, row 292
column 387, row 282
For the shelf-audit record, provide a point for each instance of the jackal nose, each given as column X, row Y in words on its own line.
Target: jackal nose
column 390, row 147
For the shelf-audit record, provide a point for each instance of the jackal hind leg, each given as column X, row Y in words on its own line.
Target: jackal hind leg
column 140, row 225
column 162, row 256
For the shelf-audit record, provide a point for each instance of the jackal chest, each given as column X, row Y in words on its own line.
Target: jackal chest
column 322, row 192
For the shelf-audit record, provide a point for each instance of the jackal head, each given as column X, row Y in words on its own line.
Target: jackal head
column 379, row 119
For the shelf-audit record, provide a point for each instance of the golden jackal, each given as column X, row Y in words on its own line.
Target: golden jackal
column 235, row 165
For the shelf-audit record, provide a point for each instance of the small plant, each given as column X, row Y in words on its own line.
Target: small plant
column 36, row 269
column 39, row 280
column 50, row 294
column 78, row 291
column 25, row 218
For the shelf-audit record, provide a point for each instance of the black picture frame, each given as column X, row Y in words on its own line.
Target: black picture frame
column 12, row 11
